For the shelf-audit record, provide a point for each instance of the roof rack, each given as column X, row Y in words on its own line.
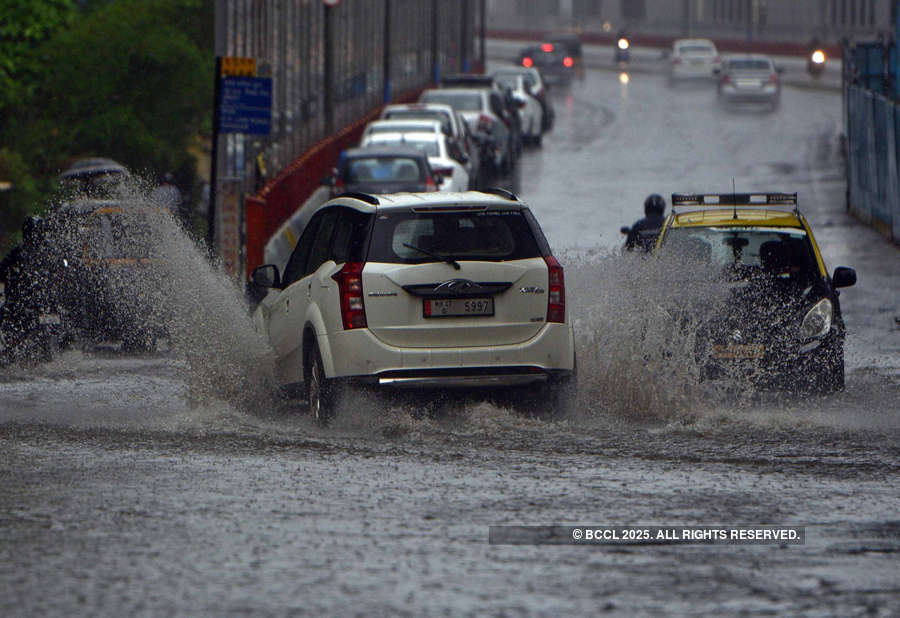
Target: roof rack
column 501, row 192
column 358, row 195
column 768, row 201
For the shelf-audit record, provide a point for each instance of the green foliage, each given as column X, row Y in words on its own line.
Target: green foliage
column 131, row 80
column 18, row 201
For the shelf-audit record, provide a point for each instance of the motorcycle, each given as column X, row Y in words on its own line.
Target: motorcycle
column 622, row 50
column 815, row 64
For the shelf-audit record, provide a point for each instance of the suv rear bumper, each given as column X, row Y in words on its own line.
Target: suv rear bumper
column 359, row 354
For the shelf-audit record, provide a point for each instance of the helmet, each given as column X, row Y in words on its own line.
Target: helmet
column 31, row 228
column 654, row 205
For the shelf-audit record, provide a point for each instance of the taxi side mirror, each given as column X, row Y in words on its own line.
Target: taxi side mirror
column 843, row 277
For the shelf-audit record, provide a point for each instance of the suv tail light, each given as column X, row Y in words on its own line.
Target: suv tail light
column 773, row 78
column 430, row 183
column 527, row 62
column 353, row 310
column 556, row 297
column 485, row 123
column 568, row 62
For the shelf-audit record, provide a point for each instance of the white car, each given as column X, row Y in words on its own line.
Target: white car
column 531, row 115
column 445, row 158
column 693, row 59
column 452, row 124
column 401, row 126
column 420, row 290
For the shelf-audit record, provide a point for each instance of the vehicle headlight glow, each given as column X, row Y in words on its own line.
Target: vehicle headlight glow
column 817, row 321
column 818, row 57
column 623, row 44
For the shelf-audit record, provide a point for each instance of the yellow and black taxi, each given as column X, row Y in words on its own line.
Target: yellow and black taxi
column 778, row 321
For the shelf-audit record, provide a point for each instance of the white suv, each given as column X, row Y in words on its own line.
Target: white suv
column 419, row 290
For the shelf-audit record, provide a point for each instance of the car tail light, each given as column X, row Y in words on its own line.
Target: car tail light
column 568, row 62
column 430, row 184
column 353, row 310
column 485, row 123
column 338, row 186
column 527, row 62
column 773, row 78
column 547, row 47
column 556, row 298
column 726, row 79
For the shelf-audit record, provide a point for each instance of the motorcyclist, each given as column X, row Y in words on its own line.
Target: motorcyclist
column 20, row 273
column 643, row 234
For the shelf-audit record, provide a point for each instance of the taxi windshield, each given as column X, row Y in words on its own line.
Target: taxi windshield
column 782, row 252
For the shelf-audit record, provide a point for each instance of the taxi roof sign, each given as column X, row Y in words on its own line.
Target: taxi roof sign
column 694, row 201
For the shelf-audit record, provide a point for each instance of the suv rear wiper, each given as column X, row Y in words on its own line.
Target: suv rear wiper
column 450, row 261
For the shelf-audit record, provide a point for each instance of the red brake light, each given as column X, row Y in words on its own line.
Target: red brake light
column 547, row 47
column 353, row 310
column 773, row 78
column 527, row 62
column 485, row 123
column 726, row 79
column 430, row 184
column 568, row 62
column 556, row 298
column 338, row 186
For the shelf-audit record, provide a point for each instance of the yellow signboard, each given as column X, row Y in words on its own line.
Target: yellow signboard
column 235, row 66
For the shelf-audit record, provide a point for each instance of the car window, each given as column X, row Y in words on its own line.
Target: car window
column 749, row 65
column 427, row 144
column 460, row 101
column 383, row 169
column 425, row 114
column 350, row 234
column 490, row 235
column 699, row 50
column 760, row 249
column 296, row 265
column 321, row 246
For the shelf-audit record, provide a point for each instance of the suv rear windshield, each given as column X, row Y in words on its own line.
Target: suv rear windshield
column 486, row 235
column 425, row 114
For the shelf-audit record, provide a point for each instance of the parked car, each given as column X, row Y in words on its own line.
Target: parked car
column 420, row 291
column 751, row 78
column 454, row 126
column 445, row 157
column 570, row 44
column 402, row 126
column 553, row 63
column 780, row 323
column 529, row 108
column 483, row 110
column 511, row 103
column 388, row 169
column 536, row 88
column 693, row 59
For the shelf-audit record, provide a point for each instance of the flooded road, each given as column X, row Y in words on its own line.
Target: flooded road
column 176, row 483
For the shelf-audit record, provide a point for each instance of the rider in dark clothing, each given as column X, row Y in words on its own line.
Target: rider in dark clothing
column 643, row 233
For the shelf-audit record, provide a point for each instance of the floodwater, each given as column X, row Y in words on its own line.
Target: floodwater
column 177, row 482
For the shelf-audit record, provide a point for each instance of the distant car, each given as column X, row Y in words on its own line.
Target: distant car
column 537, row 88
column 749, row 79
column 693, row 59
column 483, row 110
column 570, row 44
column 421, row 291
column 387, row 169
column 511, row 104
column 453, row 125
column 780, row 323
column 444, row 156
column 555, row 66
column 531, row 116
column 92, row 177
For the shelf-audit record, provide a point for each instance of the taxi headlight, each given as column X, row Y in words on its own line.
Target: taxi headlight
column 817, row 321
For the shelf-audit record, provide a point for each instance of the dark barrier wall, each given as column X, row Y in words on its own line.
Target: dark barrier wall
column 332, row 68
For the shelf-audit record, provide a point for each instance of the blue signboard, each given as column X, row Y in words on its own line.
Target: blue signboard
column 246, row 105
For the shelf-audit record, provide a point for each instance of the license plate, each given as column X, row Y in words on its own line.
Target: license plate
column 738, row 351
column 48, row 319
column 453, row 307
column 698, row 63
column 748, row 83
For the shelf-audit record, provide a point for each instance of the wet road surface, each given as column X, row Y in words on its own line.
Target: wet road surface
column 163, row 484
